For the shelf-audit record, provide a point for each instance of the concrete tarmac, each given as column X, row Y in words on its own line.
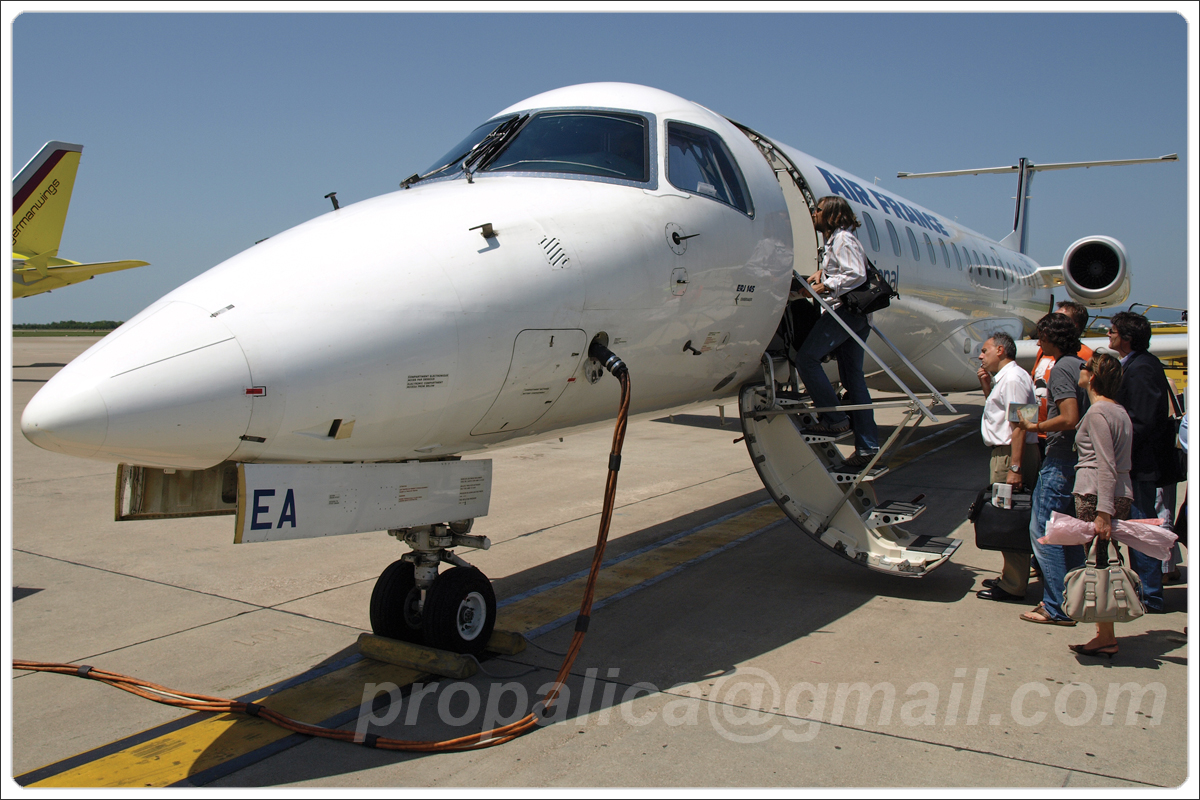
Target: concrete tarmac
column 728, row 649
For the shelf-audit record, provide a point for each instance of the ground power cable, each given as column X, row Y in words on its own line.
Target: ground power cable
column 475, row 741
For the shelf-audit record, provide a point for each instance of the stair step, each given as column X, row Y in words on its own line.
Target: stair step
column 818, row 438
column 893, row 512
column 844, row 474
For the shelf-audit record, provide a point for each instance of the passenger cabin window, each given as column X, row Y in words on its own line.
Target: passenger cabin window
column 698, row 162
column 929, row 249
column 895, row 238
column 945, row 254
column 601, row 144
column 957, row 257
column 912, row 244
column 874, row 234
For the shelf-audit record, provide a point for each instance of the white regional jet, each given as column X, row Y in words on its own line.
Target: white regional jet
column 604, row 213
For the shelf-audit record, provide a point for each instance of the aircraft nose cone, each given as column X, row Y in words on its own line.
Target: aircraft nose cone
column 167, row 390
column 73, row 422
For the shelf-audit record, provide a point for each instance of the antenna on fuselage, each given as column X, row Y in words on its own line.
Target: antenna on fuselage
column 1025, row 168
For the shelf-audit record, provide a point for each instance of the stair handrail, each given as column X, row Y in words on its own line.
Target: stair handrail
column 866, row 348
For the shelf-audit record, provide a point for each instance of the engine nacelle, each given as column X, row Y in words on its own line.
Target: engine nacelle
column 1095, row 270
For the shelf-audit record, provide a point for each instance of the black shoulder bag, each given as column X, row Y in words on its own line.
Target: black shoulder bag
column 874, row 294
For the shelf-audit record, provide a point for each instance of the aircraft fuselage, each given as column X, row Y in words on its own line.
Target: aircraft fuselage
column 396, row 328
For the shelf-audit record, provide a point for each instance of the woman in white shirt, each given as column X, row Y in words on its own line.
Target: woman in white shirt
column 843, row 268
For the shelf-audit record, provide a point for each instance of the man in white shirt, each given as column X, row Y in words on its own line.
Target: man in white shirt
column 1013, row 456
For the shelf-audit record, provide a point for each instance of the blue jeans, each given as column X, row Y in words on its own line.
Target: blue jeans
column 1148, row 568
column 1053, row 493
column 826, row 337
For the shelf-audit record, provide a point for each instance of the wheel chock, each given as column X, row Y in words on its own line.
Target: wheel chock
column 506, row 643
column 415, row 656
column 433, row 660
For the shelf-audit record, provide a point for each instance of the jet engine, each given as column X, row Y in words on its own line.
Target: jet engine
column 1095, row 270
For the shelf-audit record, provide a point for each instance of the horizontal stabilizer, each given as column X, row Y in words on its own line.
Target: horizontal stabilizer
column 81, row 271
column 35, row 277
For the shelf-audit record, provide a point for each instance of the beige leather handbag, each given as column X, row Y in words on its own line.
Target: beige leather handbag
column 1105, row 593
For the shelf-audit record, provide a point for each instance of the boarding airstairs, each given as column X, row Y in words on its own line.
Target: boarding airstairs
column 808, row 477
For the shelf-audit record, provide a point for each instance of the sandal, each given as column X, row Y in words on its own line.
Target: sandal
column 1108, row 650
column 1043, row 617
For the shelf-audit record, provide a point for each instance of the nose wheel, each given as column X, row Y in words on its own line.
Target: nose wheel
column 454, row 610
column 460, row 611
column 396, row 604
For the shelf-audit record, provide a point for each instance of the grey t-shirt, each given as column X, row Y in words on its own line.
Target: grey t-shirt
column 1063, row 384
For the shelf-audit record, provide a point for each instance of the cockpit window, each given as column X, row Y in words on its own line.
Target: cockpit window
column 699, row 162
column 460, row 150
column 599, row 143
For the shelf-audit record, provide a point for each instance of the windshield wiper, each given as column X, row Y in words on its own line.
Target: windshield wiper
column 491, row 145
column 416, row 176
column 471, row 155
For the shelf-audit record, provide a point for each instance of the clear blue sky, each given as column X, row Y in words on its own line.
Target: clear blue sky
column 203, row 133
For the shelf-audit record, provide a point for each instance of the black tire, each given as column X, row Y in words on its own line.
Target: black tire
column 453, row 608
column 396, row 604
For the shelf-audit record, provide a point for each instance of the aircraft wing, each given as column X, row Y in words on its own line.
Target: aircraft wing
column 1162, row 346
column 29, row 279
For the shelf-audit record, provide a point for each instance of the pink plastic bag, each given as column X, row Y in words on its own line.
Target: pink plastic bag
column 1144, row 535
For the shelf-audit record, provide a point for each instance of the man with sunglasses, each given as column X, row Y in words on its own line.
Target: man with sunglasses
column 1145, row 394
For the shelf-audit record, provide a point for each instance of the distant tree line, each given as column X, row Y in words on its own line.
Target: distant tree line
column 68, row 325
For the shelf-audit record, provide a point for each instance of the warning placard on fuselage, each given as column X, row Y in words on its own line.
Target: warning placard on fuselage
column 302, row 501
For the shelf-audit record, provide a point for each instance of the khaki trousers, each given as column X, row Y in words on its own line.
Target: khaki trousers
column 1014, row 577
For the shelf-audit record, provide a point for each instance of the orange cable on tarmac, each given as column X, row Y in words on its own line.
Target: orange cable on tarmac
column 489, row 738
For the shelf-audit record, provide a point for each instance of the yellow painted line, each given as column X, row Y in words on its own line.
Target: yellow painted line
column 533, row 612
column 171, row 758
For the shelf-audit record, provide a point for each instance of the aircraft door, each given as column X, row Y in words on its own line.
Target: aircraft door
column 542, row 365
column 799, row 199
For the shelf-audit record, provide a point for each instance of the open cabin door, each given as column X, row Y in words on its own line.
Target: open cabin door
column 799, row 199
column 806, row 474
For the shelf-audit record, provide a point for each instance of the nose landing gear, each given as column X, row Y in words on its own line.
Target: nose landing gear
column 412, row 602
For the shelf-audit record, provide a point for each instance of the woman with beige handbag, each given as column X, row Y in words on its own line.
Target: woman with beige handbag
column 1103, row 490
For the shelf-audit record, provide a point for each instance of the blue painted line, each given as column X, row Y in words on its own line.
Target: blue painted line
column 915, row 459
column 618, row 559
column 563, row 620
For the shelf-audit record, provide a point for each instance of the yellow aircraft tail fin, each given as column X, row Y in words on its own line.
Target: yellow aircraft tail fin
column 41, row 196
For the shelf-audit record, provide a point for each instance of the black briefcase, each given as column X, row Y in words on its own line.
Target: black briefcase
column 1002, row 528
